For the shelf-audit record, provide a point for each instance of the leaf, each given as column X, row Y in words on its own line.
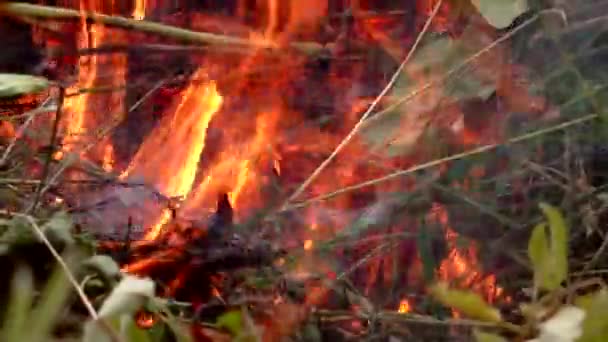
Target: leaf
column 501, row 13
column 127, row 297
column 58, row 228
column 407, row 126
column 564, row 325
column 481, row 336
column 19, row 306
column 51, row 303
column 15, row 84
column 232, row 321
column 104, row 265
column 549, row 256
column 469, row 303
column 131, row 294
column 595, row 325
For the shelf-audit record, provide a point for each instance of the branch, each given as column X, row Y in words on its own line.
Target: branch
column 47, row 12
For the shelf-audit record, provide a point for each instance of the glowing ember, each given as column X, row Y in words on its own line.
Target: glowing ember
column 308, row 245
column 145, row 320
column 108, row 157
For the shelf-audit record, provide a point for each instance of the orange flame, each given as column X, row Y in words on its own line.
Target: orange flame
column 169, row 156
column 235, row 167
column 139, row 12
column 462, row 264
column 85, row 111
column 404, row 306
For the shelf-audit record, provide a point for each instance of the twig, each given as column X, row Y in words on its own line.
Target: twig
column 597, row 255
column 456, row 69
column 9, row 148
column 480, row 207
column 58, row 13
column 51, row 152
column 438, row 162
column 365, row 115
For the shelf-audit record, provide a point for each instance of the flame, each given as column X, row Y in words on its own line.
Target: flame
column 235, row 168
column 145, row 320
column 183, row 159
column 86, row 111
column 139, row 12
column 108, row 157
column 169, row 156
column 308, row 244
column 404, row 306
column 461, row 266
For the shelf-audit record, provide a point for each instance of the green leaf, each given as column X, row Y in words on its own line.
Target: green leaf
column 52, row 302
column 481, row 336
column 127, row 297
column 104, row 265
column 130, row 295
column 549, row 256
column 595, row 325
column 469, row 303
column 501, row 13
column 231, row 321
column 15, row 84
column 58, row 228
column 19, row 306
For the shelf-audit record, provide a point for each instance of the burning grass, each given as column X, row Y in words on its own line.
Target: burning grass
column 329, row 184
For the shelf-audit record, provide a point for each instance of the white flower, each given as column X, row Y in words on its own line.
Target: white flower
column 564, row 326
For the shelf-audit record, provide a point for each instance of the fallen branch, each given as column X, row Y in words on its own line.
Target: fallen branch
column 50, row 12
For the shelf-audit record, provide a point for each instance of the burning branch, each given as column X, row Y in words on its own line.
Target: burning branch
column 57, row 13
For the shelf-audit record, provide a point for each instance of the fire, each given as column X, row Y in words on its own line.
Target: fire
column 404, row 306
column 85, row 110
column 235, row 168
column 205, row 145
column 308, row 245
column 139, row 12
column 462, row 267
column 108, row 157
column 169, row 157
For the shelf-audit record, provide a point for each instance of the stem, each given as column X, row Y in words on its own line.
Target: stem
column 58, row 13
column 47, row 162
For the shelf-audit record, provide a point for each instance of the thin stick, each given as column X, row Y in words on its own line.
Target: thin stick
column 47, row 163
column 58, row 13
column 437, row 162
column 457, row 68
column 367, row 113
column 30, row 117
